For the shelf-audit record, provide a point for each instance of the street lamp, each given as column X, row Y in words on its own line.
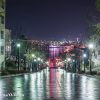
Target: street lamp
column 65, row 60
column 18, row 46
column 38, row 59
column 73, row 60
column 33, row 55
column 69, row 59
column 84, row 55
column 91, row 46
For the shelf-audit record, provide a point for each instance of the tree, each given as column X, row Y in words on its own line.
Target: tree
column 24, row 45
column 93, row 17
column 95, row 36
column 98, row 5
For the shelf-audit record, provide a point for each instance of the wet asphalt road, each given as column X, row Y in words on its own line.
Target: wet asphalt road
column 50, row 85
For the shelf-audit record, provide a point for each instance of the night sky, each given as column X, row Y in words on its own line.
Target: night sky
column 48, row 19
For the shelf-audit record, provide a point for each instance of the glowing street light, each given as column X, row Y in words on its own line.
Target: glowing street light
column 18, row 45
column 65, row 60
column 33, row 55
column 73, row 60
column 84, row 55
column 91, row 46
column 39, row 59
column 69, row 59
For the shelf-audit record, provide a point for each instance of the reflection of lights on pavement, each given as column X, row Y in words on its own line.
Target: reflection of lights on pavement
column 83, row 83
column 58, row 68
column 18, row 83
column 61, row 71
column 87, row 87
column 47, row 68
column 68, row 86
column 33, row 85
column 26, row 77
column 2, row 89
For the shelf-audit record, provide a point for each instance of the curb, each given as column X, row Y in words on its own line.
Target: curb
column 14, row 75
column 92, row 76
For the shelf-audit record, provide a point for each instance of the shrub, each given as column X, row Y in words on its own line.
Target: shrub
column 10, row 64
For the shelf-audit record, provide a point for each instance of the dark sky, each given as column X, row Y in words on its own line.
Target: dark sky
column 48, row 19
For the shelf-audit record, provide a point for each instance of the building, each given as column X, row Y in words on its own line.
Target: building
column 2, row 34
column 7, row 43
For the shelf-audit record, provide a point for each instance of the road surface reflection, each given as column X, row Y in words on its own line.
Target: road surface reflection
column 50, row 85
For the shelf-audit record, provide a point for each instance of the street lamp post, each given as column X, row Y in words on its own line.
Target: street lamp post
column 18, row 46
column 38, row 60
column 35, row 64
column 84, row 56
column 91, row 48
column 42, row 66
column 69, row 59
column 33, row 56
column 90, row 65
column 73, row 66
column 65, row 64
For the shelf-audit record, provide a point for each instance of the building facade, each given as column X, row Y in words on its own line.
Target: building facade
column 7, row 43
column 2, row 34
